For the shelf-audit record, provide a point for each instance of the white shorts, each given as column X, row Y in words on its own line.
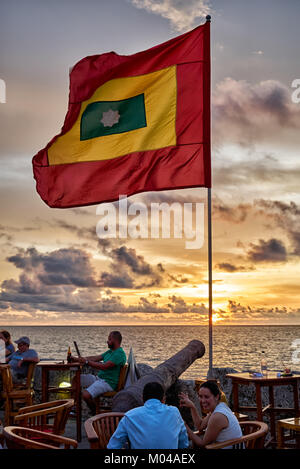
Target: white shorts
column 94, row 385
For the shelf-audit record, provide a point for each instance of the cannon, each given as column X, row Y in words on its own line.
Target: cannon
column 166, row 374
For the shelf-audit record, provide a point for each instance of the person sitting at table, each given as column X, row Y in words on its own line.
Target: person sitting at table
column 109, row 365
column 154, row 425
column 220, row 422
column 20, row 360
column 9, row 346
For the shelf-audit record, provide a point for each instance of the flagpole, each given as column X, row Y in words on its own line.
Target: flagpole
column 210, row 322
column 209, row 241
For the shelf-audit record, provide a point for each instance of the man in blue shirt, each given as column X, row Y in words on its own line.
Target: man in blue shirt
column 20, row 360
column 152, row 426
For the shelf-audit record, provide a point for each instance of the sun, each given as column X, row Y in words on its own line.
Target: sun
column 216, row 318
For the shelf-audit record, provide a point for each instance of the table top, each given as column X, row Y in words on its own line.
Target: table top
column 293, row 422
column 59, row 365
column 271, row 377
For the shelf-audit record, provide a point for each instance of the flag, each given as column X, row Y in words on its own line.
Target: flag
column 134, row 123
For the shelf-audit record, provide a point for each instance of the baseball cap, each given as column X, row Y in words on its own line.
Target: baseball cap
column 23, row 339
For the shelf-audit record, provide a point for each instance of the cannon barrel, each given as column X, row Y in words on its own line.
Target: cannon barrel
column 166, row 374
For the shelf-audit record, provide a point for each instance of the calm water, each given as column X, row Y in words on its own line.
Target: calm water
column 235, row 346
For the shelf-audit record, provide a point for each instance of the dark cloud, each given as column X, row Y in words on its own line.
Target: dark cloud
column 272, row 250
column 237, row 312
column 234, row 214
column 116, row 281
column 285, row 216
column 65, row 280
column 60, row 267
column 244, row 113
column 130, row 270
column 228, row 267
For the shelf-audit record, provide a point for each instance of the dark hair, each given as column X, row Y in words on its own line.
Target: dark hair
column 213, row 387
column 153, row 391
column 117, row 335
column 6, row 336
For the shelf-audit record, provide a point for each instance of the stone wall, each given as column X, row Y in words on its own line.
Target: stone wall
column 283, row 394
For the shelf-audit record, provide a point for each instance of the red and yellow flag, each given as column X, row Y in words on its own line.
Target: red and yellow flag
column 134, row 123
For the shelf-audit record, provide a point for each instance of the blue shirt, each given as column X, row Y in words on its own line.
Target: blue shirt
column 14, row 359
column 152, row 426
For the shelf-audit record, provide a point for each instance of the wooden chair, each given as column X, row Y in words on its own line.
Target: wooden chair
column 104, row 407
column 38, row 416
column 254, row 434
column 288, row 433
column 100, row 428
column 15, row 396
column 28, row 438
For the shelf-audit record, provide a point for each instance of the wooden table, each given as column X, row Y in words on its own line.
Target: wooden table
column 270, row 381
column 293, row 425
column 47, row 389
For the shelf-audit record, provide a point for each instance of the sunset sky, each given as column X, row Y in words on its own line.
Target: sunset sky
column 53, row 267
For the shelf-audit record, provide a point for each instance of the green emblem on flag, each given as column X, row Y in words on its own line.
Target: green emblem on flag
column 113, row 117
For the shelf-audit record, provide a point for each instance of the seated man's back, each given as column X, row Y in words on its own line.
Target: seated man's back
column 151, row 426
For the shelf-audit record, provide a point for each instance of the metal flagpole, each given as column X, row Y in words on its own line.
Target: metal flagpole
column 209, row 235
column 210, row 322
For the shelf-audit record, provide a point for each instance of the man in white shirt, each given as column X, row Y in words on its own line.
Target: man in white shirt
column 154, row 425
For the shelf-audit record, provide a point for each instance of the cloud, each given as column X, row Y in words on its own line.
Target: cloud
column 65, row 280
column 237, row 312
column 236, row 214
column 183, row 15
column 130, row 270
column 245, row 113
column 272, row 250
column 285, row 216
column 228, row 267
column 60, row 267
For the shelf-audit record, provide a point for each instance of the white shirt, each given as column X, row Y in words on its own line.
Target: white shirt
column 233, row 430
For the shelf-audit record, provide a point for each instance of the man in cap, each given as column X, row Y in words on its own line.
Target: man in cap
column 20, row 360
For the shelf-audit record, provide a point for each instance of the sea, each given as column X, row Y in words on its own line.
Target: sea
column 238, row 347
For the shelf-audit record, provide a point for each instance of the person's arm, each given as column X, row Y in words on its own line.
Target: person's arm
column 98, row 365
column 186, row 402
column 94, row 358
column 216, row 423
column 120, row 437
column 33, row 359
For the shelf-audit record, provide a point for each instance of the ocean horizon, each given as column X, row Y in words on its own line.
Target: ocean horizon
column 234, row 346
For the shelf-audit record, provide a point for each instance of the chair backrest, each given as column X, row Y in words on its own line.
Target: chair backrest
column 30, row 372
column 100, row 428
column 254, row 434
column 28, row 438
column 8, row 384
column 36, row 416
column 122, row 377
column 6, row 379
